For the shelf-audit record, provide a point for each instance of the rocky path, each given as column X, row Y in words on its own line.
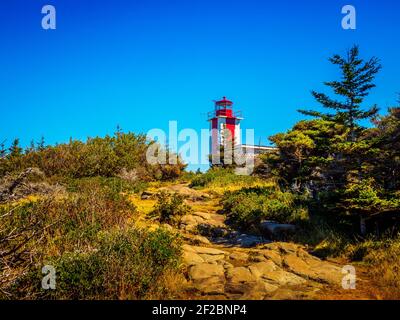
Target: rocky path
column 223, row 264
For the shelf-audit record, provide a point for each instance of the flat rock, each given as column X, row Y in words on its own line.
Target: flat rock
column 205, row 270
column 256, row 256
column 208, row 278
column 196, row 239
column 272, row 274
column 203, row 250
column 273, row 256
column 294, row 293
column 239, row 280
column 190, row 222
column 191, row 258
column 261, row 268
column 202, row 215
column 258, row 291
column 281, row 278
column 282, row 247
column 239, row 256
column 313, row 269
column 205, row 253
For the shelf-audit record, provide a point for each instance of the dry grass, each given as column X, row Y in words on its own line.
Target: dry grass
column 381, row 259
column 385, row 269
column 219, row 187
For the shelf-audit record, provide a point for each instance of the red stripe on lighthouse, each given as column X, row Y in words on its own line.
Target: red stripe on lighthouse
column 231, row 125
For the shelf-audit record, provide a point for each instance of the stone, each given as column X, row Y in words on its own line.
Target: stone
column 313, row 269
column 281, row 278
column 146, row 195
column 239, row 280
column 207, row 250
column 269, row 287
column 272, row 274
column 285, row 294
column 197, row 239
column 207, row 254
column 227, row 266
column 239, row 256
column 207, row 223
column 257, row 292
column 205, row 270
column 257, row 257
column 203, row 215
column 303, row 292
column 208, row 278
column 273, row 256
column 282, row 247
column 190, row 222
column 260, row 268
column 191, row 258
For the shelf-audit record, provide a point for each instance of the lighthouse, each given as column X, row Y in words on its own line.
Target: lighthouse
column 224, row 125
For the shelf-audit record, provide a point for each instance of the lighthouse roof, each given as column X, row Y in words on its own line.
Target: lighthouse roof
column 224, row 102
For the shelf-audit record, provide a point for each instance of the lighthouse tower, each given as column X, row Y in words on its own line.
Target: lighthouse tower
column 224, row 124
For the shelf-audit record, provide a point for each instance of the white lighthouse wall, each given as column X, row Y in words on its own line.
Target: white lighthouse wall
column 214, row 139
column 238, row 135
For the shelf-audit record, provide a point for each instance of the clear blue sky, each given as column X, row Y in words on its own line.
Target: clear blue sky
column 141, row 63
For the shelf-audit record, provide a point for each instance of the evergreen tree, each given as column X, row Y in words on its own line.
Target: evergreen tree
column 41, row 144
column 15, row 150
column 385, row 139
column 118, row 133
column 3, row 151
column 31, row 147
column 355, row 84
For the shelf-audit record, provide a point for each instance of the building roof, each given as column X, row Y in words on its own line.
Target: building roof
column 255, row 147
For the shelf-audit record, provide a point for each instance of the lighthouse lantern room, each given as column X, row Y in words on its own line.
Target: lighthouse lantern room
column 224, row 124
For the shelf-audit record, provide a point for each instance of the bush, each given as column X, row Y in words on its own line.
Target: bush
column 60, row 223
column 249, row 206
column 88, row 236
column 170, row 207
column 201, row 180
column 124, row 264
column 112, row 185
column 108, row 157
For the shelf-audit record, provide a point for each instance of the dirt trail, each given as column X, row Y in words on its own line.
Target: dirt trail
column 223, row 264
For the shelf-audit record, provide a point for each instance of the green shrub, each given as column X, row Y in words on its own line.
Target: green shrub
column 109, row 156
column 249, row 206
column 122, row 264
column 170, row 207
column 83, row 234
column 201, row 180
column 127, row 264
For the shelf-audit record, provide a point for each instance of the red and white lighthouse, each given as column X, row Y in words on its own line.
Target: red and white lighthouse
column 224, row 124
